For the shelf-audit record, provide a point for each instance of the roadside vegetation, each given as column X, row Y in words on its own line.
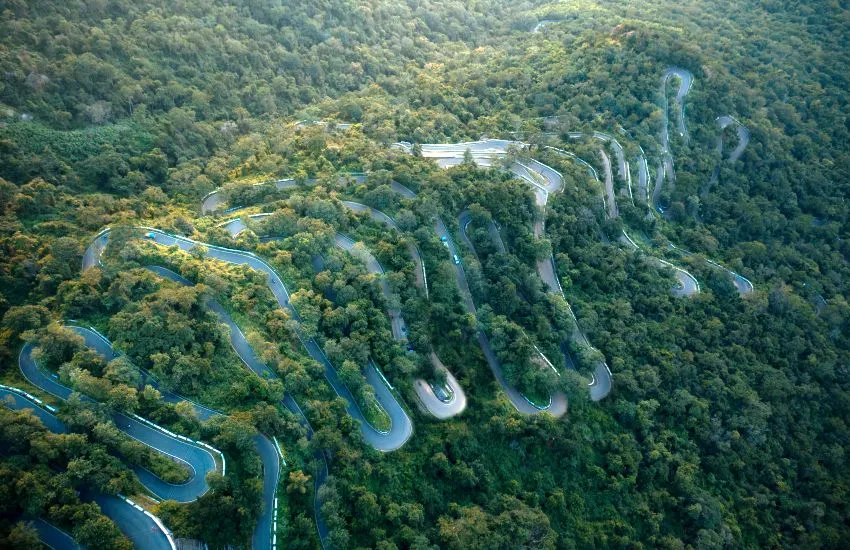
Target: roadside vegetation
column 726, row 426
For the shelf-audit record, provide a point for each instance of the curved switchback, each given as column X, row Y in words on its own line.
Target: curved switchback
column 686, row 80
column 545, row 180
column 264, row 532
column 215, row 200
column 444, row 400
column 401, row 429
column 557, row 405
column 447, row 401
column 743, row 136
column 144, row 530
column 742, row 284
column 412, row 249
column 53, row 537
column 687, row 284
column 463, row 222
column 665, row 169
column 613, row 211
column 196, row 456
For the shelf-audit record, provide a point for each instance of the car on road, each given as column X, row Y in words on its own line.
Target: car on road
column 150, row 235
column 455, row 259
column 444, row 238
column 441, row 393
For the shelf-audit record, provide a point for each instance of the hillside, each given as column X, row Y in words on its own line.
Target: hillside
column 424, row 274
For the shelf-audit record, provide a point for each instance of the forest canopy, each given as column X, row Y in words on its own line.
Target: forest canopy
column 726, row 421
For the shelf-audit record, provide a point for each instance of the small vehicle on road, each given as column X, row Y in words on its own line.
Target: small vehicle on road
column 441, row 393
column 455, row 259
column 150, row 235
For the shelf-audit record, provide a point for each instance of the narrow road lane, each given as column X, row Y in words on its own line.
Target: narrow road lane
column 544, row 180
column 402, row 427
column 264, row 530
column 557, row 405
column 144, row 530
column 613, row 211
column 198, row 459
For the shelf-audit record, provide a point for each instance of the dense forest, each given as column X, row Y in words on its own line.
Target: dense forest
column 284, row 355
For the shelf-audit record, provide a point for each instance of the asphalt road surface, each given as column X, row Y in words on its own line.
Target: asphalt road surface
column 442, row 402
column 544, row 180
column 558, row 401
column 373, row 266
column 687, row 285
column 453, row 401
column 613, row 211
column 686, row 79
column 140, row 528
column 643, row 178
column 743, row 137
column 53, row 537
column 449, row 403
column 402, row 427
column 215, row 200
column 377, row 215
column 199, row 460
column 18, row 402
column 263, row 531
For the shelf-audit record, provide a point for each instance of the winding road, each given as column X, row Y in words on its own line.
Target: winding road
column 144, row 530
column 686, row 80
column 412, row 249
column 666, row 165
column 264, row 532
column 544, row 180
column 557, row 405
column 743, row 136
column 613, row 211
column 741, row 283
column 197, row 457
column 216, row 199
column 442, row 401
column 557, row 400
column 402, row 427
column 53, row 537
column 643, row 179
